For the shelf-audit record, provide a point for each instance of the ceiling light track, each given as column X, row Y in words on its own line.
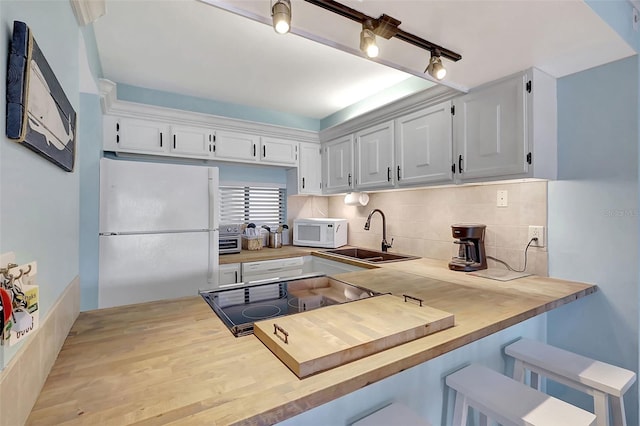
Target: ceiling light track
column 385, row 26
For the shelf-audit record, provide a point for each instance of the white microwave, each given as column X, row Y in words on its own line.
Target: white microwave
column 320, row 232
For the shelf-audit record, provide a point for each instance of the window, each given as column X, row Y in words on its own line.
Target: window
column 244, row 204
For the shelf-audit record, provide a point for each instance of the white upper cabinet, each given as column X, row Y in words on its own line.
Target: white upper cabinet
column 374, row 156
column 489, row 130
column 236, row 146
column 424, row 146
column 507, row 130
column 135, row 135
column 306, row 179
column 191, row 141
column 338, row 165
column 278, row 151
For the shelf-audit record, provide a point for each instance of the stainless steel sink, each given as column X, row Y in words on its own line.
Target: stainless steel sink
column 371, row 256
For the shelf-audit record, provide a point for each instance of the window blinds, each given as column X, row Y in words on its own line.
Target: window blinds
column 262, row 206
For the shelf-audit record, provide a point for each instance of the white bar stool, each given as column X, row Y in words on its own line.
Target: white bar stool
column 508, row 402
column 606, row 383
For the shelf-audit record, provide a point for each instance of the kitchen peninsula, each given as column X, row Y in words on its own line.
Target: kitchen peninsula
column 175, row 361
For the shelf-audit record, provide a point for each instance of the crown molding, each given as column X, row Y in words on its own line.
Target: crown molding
column 112, row 106
column 87, row 11
column 411, row 103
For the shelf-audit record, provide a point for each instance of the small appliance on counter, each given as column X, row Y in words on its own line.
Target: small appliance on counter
column 229, row 240
column 471, row 254
column 320, row 232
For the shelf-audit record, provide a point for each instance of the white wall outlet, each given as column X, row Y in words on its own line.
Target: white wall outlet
column 502, row 199
column 536, row 232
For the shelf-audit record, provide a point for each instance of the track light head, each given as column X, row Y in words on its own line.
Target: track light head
column 281, row 14
column 435, row 67
column 368, row 40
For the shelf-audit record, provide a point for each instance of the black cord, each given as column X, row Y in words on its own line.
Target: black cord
column 525, row 258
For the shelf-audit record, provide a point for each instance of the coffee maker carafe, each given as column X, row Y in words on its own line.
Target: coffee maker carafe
column 470, row 241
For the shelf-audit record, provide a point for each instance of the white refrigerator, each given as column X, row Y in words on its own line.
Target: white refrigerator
column 158, row 231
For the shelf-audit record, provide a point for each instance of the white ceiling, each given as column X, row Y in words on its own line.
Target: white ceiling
column 193, row 48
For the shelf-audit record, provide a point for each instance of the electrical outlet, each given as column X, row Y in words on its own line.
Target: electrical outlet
column 502, row 199
column 536, row 232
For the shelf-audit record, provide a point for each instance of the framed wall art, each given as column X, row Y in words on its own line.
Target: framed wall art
column 39, row 115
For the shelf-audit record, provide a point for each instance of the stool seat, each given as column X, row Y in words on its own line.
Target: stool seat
column 508, row 402
column 605, row 382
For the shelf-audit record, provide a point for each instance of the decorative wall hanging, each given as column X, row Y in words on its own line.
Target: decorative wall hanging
column 39, row 115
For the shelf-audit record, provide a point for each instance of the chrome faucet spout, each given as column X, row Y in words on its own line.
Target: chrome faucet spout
column 367, row 226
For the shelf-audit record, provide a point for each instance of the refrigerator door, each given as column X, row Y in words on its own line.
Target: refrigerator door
column 139, row 197
column 144, row 267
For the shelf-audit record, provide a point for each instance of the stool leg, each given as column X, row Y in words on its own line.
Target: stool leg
column 601, row 408
column 518, row 371
column 461, row 410
column 617, row 409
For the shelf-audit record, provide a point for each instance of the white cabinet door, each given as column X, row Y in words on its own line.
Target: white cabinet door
column 310, row 169
column 278, row 151
column 191, row 141
column 489, row 131
column 141, row 135
column 236, row 146
column 338, row 165
column 230, row 274
column 424, row 146
column 374, row 156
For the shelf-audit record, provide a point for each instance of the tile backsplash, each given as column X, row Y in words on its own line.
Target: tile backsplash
column 420, row 220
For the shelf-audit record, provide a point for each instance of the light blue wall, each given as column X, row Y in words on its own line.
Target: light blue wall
column 593, row 218
column 90, row 133
column 39, row 201
column 422, row 388
column 209, row 106
column 617, row 14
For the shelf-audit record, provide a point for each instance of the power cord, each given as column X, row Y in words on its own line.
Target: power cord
column 525, row 258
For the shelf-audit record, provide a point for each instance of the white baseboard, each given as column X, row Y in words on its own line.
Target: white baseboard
column 25, row 374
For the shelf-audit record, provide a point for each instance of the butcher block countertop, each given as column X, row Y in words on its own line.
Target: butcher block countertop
column 174, row 362
column 265, row 253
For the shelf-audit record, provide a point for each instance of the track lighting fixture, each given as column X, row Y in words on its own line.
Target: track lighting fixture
column 281, row 14
column 435, row 67
column 384, row 26
column 368, row 40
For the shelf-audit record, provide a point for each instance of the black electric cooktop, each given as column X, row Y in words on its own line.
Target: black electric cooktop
column 240, row 305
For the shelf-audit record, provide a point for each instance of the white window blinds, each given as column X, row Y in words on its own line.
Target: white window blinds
column 262, row 206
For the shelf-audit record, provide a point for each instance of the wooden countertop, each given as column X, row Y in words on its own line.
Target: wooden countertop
column 174, row 361
column 265, row 254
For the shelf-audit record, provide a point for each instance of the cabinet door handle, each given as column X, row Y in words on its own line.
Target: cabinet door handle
column 302, row 183
column 236, row 272
column 398, row 173
column 388, row 174
column 264, row 151
column 254, row 149
column 349, row 180
column 160, row 139
column 460, row 163
column 174, row 141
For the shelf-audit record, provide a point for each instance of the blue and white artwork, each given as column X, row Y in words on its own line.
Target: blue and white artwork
column 39, row 115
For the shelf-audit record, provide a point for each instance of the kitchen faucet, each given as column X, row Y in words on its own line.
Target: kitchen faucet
column 367, row 225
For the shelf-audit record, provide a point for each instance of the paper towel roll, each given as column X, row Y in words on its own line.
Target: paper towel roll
column 356, row 199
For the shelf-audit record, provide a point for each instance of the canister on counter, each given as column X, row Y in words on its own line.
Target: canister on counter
column 286, row 239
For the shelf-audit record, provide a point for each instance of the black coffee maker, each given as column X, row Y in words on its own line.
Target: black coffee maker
column 470, row 240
